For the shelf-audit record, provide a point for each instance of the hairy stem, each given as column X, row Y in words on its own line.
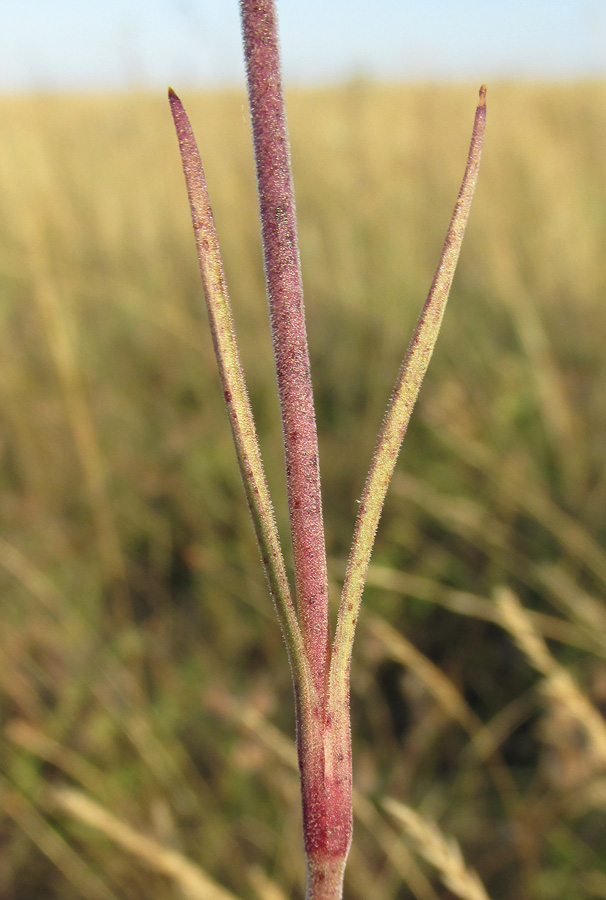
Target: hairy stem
column 285, row 292
column 324, row 748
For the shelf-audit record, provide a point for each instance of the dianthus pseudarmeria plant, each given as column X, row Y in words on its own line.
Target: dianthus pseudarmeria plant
column 319, row 662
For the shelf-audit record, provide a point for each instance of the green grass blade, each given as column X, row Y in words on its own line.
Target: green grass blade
column 398, row 414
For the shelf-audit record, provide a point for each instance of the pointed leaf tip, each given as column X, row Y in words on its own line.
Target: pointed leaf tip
column 177, row 110
column 173, row 98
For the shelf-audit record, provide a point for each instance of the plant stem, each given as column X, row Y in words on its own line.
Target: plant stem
column 285, row 292
column 324, row 749
column 325, row 882
column 323, row 736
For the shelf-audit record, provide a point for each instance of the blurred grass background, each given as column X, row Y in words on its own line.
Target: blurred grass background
column 140, row 661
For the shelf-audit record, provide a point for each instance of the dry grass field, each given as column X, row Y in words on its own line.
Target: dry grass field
column 145, row 702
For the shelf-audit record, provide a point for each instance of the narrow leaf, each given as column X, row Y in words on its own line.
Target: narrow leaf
column 234, row 389
column 398, row 414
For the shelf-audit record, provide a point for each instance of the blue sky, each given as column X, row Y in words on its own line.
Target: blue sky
column 75, row 45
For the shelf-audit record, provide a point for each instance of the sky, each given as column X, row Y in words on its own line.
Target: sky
column 71, row 45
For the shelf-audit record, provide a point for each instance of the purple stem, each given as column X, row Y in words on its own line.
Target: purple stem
column 285, row 292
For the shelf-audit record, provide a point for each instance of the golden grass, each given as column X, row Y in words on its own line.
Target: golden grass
column 440, row 851
column 558, row 685
column 140, row 663
column 194, row 883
